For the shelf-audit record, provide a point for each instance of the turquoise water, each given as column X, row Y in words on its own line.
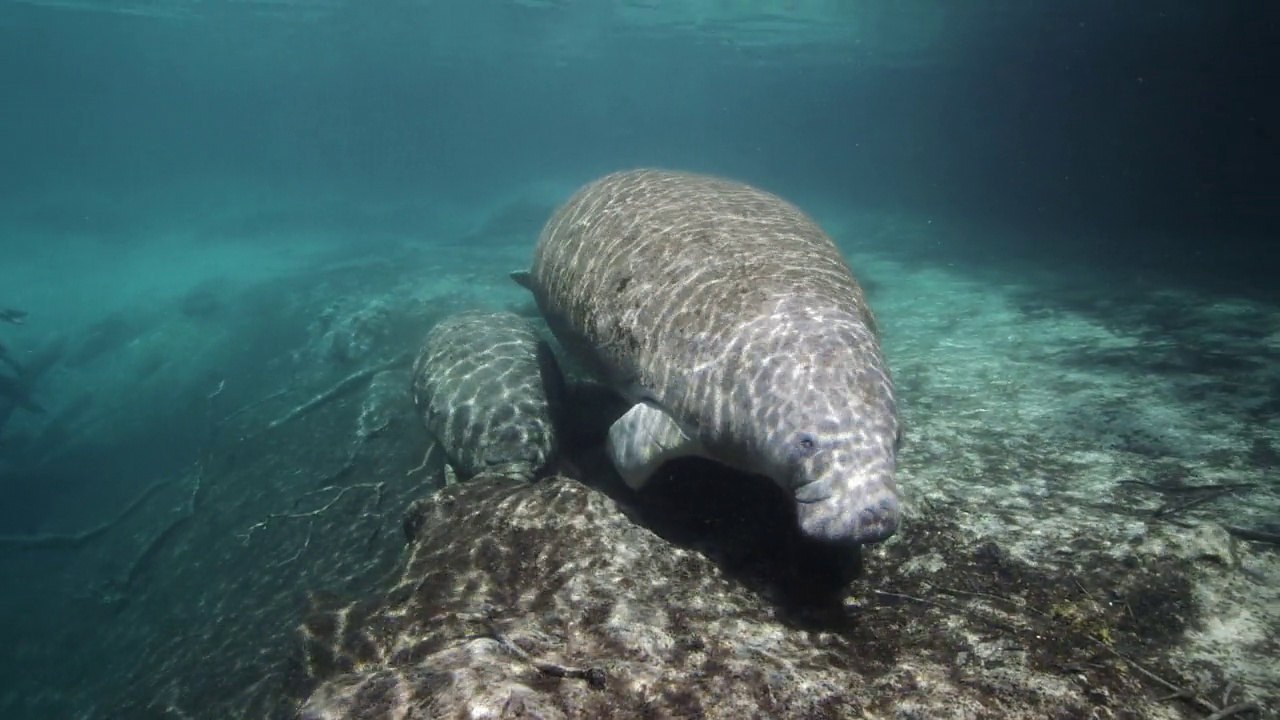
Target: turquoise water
column 214, row 213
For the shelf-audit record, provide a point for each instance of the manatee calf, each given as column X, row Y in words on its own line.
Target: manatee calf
column 490, row 393
column 731, row 324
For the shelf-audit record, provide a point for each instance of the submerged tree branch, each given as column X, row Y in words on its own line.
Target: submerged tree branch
column 74, row 541
column 342, row 386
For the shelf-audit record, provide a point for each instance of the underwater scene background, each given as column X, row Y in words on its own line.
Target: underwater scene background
column 227, row 226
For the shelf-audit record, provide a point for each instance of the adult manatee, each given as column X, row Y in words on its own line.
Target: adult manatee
column 733, row 326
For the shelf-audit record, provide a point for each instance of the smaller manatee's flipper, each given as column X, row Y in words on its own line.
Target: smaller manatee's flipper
column 523, row 279
column 643, row 439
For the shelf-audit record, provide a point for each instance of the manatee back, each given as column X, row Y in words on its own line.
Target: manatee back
column 646, row 273
column 489, row 391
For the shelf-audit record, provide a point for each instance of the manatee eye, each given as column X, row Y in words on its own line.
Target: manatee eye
column 801, row 449
column 803, row 445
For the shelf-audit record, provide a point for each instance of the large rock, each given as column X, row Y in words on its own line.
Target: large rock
column 552, row 600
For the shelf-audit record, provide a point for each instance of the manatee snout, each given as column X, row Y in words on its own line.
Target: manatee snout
column 849, row 496
column 863, row 511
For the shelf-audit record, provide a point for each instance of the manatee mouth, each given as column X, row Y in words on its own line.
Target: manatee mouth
column 814, row 491
column 859, row 517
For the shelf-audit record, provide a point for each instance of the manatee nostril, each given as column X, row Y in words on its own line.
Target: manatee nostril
column 876, row 525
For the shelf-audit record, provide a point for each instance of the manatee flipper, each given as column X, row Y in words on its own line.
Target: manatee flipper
column 643, row 439
column 523, row 279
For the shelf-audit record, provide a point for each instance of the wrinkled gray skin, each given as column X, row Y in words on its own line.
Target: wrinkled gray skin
column 489, row 391
column 731, row 323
